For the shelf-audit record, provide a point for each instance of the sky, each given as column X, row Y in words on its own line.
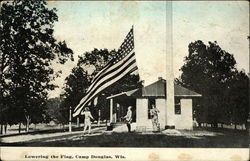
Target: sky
column 86, row 25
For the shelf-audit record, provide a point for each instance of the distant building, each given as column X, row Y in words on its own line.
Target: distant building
column 155, row 93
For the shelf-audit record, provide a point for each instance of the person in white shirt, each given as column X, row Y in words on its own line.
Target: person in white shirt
column 87, row 120
column 128, row 118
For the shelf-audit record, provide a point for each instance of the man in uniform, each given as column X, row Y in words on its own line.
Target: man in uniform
column 154, row 117
column 128, row 118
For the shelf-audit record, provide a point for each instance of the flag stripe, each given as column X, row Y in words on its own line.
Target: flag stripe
column 130, row 67
column 107, row 78
column 103, row 70
column 106, row 69
column 110, row 74
column 112, row 69
column 127, row 46
column 106, row 84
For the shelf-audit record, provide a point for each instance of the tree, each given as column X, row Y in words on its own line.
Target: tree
column 28, row 49
column 52, row 110
column 79, row 80
column 239, row 98
column 75, row 88
column 209, row 70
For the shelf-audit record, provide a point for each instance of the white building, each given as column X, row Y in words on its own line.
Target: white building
column 142, row 99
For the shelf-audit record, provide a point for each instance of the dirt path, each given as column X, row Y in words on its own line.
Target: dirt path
column 47, row 136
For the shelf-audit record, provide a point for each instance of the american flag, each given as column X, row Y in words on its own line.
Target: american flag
column 122, row 64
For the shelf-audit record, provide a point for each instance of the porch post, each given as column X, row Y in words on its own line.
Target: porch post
column 70, row 123
column 78, row 121
column 111, row 110
column 99, row 118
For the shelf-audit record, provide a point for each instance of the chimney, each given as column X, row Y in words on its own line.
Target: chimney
column 160, row 78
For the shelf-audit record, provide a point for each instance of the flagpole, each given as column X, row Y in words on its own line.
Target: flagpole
column 136, row 52
column 169, row 68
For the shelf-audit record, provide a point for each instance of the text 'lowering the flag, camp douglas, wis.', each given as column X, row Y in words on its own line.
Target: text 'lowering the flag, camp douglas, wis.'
column 74, row 157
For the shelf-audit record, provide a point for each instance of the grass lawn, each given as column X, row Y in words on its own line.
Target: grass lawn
column 198, row 138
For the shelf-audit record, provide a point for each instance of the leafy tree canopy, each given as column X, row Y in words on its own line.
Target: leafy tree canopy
column 28, row 49
column 211, row 71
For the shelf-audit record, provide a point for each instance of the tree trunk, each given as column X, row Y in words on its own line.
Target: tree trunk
column 247, row 125
column 27, row 126
column 235, row 126
column 5, row 128
column 1, row 129
column 221, row 125
column 27, row 123
column 19, row 129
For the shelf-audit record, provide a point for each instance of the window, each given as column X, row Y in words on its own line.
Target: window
column 177, row 106
column 151, row 101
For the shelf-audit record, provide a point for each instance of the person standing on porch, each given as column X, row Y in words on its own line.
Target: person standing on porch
column 128, row 118
column 154, row 117
column 87, row 120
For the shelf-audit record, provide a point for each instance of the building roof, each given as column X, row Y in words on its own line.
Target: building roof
column 128, row 93
column 158, row 89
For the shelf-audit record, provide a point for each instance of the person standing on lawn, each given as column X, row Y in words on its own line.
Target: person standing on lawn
column 154, row 117
column 128, row 118
column 87, row 120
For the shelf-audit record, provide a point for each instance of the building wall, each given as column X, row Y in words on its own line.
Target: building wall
column 142, row 121
column 182, row 121
column 185, row 119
